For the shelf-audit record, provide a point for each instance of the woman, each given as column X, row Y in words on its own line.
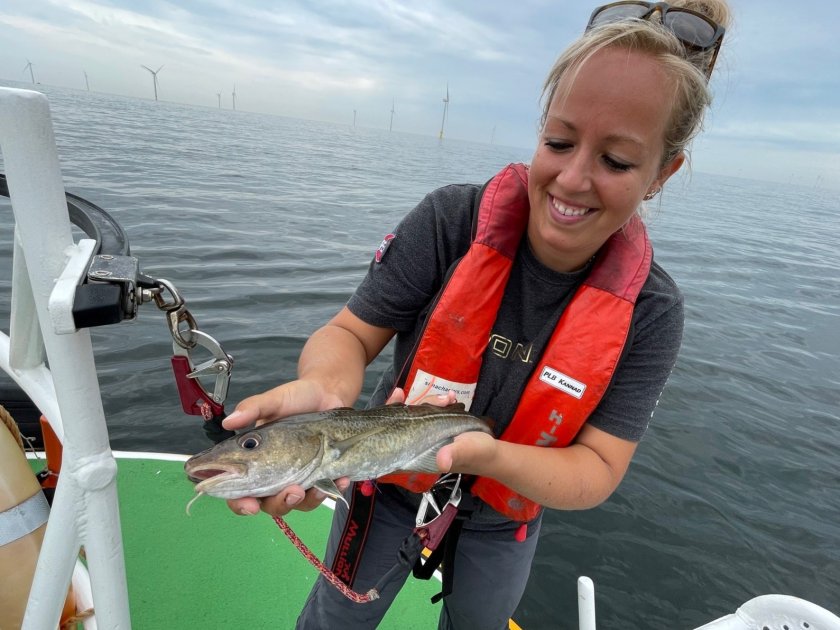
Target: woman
column 548, row 315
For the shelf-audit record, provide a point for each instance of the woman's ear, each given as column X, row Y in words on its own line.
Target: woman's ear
column 669, row 169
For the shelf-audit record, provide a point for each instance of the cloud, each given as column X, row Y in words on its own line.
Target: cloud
column 777, row 83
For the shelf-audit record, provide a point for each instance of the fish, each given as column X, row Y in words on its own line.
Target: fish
column 313, row 449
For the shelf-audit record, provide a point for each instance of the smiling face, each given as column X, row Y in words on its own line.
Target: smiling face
column 600, row 151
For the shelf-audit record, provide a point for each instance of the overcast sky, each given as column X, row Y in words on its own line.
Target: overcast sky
column 776, row 114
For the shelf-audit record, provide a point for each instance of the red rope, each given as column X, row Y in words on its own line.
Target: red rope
column 333, row 579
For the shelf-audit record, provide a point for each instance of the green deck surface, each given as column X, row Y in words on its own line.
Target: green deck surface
column 215, row 570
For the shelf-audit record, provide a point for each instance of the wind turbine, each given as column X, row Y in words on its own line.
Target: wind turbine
column 391, row 126
column 28, row 66
column 87, row 84
column 154, row 74
column 219, row 94
column 445, row 109
column 234, row 97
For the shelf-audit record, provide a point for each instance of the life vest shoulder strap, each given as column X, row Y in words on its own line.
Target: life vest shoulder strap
column 575, row 371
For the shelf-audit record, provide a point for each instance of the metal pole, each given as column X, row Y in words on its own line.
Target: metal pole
column 586, row 603
column 85, row 508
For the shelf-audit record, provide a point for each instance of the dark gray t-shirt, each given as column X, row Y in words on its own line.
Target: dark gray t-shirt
column 397, row 292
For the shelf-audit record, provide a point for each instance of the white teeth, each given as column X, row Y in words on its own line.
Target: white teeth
column 569, row 212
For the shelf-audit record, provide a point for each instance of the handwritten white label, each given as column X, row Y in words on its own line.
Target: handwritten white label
column 563, row 382
column 426, row 384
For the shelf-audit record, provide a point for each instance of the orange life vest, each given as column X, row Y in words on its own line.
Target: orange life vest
column 578, row 363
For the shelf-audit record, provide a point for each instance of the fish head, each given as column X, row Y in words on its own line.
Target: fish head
column 257, row 463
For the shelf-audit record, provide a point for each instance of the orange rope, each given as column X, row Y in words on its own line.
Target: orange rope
column 10, row 423
column 331, row 577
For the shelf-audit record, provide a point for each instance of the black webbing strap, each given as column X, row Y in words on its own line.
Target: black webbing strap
column 352, row 542
column 351, row 546
column 408, row 555
column 214, row 430
column 445, row 554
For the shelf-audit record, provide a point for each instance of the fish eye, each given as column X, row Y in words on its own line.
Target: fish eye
column 249, row 442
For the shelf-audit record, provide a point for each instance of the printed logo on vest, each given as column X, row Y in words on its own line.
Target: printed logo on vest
column 383, row 247
column 561, row 381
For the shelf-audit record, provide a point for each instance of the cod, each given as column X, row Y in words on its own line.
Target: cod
column 313, row 449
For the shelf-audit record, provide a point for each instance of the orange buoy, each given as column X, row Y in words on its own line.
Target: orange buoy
column 53, row 451
column 23, row 520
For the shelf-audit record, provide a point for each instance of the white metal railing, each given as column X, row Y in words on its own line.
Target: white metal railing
column 46, row 268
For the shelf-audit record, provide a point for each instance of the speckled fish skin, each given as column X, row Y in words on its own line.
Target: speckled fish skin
column 315, row 448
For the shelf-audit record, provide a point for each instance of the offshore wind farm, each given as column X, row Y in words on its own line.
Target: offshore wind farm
column 154, row 74
column 316, row 61
column 157, row 96
column 28, row 66
column 391, row 124
column 445, row 112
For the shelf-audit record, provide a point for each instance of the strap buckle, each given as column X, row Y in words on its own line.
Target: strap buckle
column 195, row 399
column 432, row 521
column 450, row 482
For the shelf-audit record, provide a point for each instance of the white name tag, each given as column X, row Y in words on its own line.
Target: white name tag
column 561, row 381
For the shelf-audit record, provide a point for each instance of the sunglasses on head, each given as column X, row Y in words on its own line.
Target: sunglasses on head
column 693, row 29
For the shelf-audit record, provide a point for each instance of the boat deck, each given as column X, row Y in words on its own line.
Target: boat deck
column 213, row 569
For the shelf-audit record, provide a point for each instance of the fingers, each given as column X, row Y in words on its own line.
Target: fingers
column 440, row 400
column 280, row 504
column 288, row 499
column 472, row 452
column 292, row 498
column 244, row 507
column 444, row 459
column 265, row 406
column 300, row 396
column 241, row 418
column 397, row 396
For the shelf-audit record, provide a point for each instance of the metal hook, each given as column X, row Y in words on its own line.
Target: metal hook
column 451, row 482
column 219, row 366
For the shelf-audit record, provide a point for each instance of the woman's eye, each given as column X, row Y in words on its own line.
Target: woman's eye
column 616, row 165
column 557, row 145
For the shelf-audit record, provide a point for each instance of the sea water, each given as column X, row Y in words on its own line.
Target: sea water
column 266, row 224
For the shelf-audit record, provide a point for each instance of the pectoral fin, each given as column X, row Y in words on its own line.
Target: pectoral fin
column 425, row 462
column 328, row 487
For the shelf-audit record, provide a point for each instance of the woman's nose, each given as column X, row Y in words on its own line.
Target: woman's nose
column 575, row 174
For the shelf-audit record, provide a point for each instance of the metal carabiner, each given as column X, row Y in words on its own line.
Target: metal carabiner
column 219, row 366
column 176, row 314
column 450, row 481
column 194, row 397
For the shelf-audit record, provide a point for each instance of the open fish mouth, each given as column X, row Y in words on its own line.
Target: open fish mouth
column 211, row 475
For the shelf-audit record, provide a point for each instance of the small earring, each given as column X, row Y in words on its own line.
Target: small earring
column 652, row 194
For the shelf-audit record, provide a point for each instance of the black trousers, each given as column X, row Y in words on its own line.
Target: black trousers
column 490, row 571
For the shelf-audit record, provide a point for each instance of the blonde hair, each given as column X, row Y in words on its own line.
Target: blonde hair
column 685, row 68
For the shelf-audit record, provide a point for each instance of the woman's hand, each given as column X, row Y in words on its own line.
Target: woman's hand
column 295, row 397
column 439, row 400
column 471, row 453
column 331, row 372
column 300, row 396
